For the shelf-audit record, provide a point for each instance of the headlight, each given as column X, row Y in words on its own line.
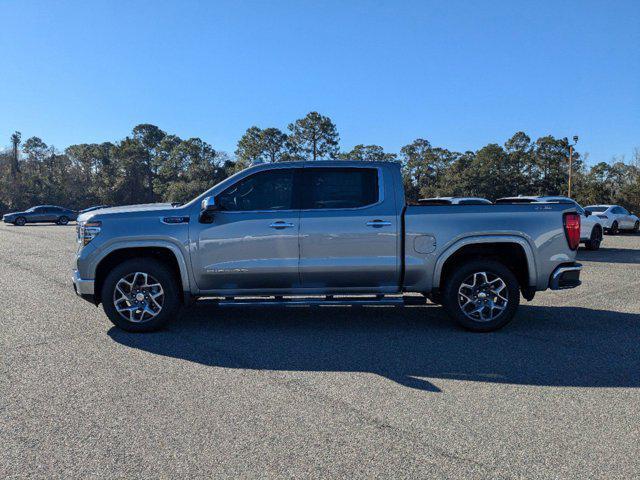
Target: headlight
column 87, row 231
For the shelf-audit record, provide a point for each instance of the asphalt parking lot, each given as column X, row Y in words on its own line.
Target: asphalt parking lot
column 324, row 392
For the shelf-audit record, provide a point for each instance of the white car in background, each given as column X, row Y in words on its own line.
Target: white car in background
column 591, row 227
column 454, row 201
column 614, row 218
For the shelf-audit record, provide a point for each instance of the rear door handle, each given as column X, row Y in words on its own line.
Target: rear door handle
column 281, row 225
column 378, row 223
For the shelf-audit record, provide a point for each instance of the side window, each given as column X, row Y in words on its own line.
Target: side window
column 579, row 208
column 339, row 187
column 616, row 210
column 270, row 190
column 624, row 211
column 473, row 202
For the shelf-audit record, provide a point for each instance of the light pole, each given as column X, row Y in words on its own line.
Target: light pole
column 575, row 140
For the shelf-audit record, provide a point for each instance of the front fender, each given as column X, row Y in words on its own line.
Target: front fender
column 174, row 247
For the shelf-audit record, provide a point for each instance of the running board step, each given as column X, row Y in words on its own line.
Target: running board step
column 329, row 300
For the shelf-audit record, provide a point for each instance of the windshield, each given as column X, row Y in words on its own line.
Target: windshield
column 595, row 209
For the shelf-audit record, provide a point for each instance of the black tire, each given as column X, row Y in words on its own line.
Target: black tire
column 20, row 221
column 614, row 230
column 170, row 299
column 636, row 226
column 63, row 220
column 451, row 300
column 595, row 239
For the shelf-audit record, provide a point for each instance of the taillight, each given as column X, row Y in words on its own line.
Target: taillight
column 572, row 229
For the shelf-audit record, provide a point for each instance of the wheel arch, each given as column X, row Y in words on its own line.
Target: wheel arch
column 164, row 251
column 513, row 251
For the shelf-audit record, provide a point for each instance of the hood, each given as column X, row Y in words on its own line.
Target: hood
column 13, row 213
column 127, row 211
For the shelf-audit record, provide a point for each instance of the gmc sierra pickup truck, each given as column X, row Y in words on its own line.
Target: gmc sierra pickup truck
column 323, row 232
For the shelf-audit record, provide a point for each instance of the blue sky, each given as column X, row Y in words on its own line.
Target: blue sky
column 460, row 74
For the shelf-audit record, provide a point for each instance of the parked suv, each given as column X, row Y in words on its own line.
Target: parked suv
column 615, row 218
column 591, row 227
column 41, row 214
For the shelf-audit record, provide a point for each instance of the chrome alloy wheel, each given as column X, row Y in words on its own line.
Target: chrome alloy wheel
column 483, row 296
column 138, row 297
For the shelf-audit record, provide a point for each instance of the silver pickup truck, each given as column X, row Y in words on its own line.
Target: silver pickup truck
column 323, row 233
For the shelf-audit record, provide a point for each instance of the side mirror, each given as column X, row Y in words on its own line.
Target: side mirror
column 587, row 213
column 208, row 207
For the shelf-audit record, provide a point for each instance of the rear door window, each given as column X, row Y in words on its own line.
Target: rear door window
column 330, row 188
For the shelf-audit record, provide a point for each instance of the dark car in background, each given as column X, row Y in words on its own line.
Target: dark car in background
column 41, row 214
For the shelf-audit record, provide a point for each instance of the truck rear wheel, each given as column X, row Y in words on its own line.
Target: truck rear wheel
column 140, row 295
column 482, row 295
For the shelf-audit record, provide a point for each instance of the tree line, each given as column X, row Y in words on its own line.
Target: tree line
column 151, row 165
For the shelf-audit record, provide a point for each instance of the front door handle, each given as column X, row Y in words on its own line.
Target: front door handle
column 281, row 225
column 378, row 223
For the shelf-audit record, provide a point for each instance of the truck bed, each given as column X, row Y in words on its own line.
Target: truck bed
column 431, row 231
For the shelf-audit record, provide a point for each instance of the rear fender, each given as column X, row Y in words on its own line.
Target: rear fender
column 475, row 240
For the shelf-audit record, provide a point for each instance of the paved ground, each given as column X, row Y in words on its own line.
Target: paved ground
column 330, row 392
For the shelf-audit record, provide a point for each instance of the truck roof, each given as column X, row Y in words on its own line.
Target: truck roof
column 327, row 163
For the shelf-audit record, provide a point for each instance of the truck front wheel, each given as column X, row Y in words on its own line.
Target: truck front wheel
column 482, row 295
column 140, row 295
